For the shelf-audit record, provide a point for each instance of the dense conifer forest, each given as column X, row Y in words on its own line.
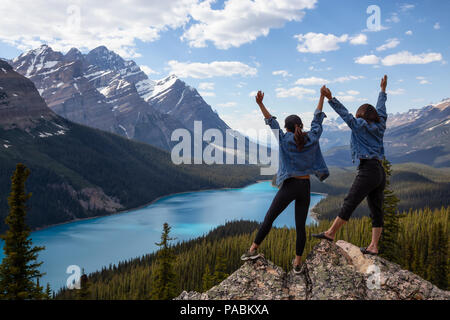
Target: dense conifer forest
column 203, row 262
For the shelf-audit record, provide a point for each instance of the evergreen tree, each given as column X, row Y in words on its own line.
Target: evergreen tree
column 207, row 279
column 84, row 292
column 48, row 292
column 438, row 258
column 164, row 284
column 220, row 269
column 19, row 268
column 389, row 247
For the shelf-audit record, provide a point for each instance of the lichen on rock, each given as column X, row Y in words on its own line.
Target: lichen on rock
column 332, row 271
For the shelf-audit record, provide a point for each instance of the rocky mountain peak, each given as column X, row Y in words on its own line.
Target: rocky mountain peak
column 337, row 271
column 21, row 106
column 73, row 54
column 105, row 59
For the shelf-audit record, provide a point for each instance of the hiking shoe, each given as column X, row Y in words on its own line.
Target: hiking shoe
column 322, row 236
column 296, row 268
column 250, row 255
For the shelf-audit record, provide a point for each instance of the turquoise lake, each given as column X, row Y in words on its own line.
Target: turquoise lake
column 93, row 243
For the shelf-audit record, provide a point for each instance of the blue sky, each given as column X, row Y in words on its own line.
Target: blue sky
column 229, row 49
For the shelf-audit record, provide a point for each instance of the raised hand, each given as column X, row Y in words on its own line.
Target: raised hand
column 383, row 84
column 324, row 91
column 259, row 97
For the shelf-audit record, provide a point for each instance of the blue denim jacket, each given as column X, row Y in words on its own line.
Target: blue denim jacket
column 300, row 163
column 367, row 138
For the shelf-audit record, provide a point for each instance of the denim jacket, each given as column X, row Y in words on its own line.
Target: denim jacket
column 299, row 163
column 367, row 138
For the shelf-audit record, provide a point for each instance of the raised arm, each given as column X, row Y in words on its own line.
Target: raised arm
column 316, row 124
column 268, row 118
column 259, row 100
column 381, row 104
column 342, row 111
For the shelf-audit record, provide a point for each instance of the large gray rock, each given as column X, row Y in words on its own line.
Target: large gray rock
column 337, row 271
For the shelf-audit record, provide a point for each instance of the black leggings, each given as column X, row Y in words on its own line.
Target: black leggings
column 291, row 189
column 369, row 182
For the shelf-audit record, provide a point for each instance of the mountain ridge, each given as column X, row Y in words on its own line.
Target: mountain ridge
column 102, row 90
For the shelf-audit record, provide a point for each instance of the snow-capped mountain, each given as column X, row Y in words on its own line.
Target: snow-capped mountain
column 102, row 90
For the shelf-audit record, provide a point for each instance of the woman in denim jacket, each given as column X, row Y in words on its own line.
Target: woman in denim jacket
column 299, row 157
column 368, row 129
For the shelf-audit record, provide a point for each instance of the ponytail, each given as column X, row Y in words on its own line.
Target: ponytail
column 299, row 138
column 294, row 124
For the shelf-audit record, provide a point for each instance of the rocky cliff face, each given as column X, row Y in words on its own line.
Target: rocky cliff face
column 102, row 90
column 332, row 271
column 20, row 104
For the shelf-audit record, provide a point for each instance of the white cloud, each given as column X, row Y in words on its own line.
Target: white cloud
column 349, row 98
column 319, row 42
column 403, row 57
column 241, row 21
column 312, row 81
column 147, row 70
column 389, row 44
column 347, row 78
column 359, row 39
column 396, row 92
column 394, row 18
column 297, row 92
column 368, row 59
column 407, row 6
column 409, row 33
column 353, row 92
column 227, row 104
column 201, row 70
column 423, row 80
column 253, row 94
column 437, row 26
column 206, row 85
column 406, row 57
column 89, row 24
column 207, row 94
column 282, row 73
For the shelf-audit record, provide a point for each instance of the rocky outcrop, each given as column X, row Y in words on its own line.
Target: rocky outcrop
column 332, row 271
column 20, row 104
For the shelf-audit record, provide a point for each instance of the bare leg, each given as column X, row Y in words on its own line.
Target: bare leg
column 376, row 234
column 337, row 224
column 253, row 247
column 298, row 260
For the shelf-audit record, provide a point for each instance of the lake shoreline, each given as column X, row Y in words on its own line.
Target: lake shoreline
column 313, row 215
column 144, row 205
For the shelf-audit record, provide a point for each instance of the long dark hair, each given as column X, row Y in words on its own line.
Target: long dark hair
column 294, row 124
column 368, row 113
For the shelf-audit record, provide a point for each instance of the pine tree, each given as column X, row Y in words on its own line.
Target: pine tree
column 438, row 260
column 207, row 279
column 220, row 269
column 389, row 248
column 84, row 292
column 164, row 284
column 19, row 267
column 48, row 292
